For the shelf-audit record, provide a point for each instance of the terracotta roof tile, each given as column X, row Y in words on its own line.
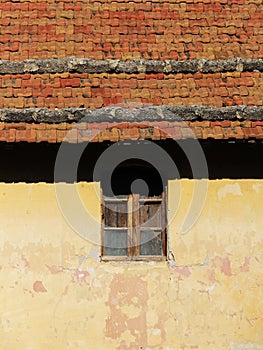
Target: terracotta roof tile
column 101, row 90
column 187, row 133
column 259, row 130
column 93, row 132
column 44, row 136
column 218, row 131
column 249, row 132
column 131, row 29
column 208, row 133
column 198, row 131
column 84, row 135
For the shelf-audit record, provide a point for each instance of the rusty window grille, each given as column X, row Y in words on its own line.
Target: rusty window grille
column 134, row 228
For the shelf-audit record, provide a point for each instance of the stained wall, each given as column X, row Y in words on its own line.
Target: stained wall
column 56, row 294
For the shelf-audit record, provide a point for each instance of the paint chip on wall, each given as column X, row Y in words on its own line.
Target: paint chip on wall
column 233, row 189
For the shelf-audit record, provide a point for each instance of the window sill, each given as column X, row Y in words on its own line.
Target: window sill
column 145, row 258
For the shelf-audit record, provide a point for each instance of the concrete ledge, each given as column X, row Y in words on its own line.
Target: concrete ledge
column 119, row 114
column 80, row 65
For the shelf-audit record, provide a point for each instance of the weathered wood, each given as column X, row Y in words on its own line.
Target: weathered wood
column 135, row 227
column 130, row 223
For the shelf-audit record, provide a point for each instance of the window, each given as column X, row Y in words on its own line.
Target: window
column 134, row 228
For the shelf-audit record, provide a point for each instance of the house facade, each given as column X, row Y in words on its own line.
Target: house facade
column 131, row 175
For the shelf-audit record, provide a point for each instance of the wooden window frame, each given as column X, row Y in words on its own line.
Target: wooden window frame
column 133, row 228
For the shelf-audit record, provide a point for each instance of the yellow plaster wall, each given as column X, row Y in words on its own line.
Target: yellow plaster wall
column 56, row 294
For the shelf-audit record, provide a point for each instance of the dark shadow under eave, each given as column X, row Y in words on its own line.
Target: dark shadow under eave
column 34, row 162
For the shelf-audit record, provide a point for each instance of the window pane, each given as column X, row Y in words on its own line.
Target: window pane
column 115, row 242
column 116, row 214
column 150, row 214
column 150, row 242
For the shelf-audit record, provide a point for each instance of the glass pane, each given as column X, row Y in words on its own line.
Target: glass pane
column 115, row 242
column 150, row 214
column 115, row 214
column 150, row 242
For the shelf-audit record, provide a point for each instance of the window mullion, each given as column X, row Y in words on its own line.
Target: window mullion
column 136, row 225
column 129, row 224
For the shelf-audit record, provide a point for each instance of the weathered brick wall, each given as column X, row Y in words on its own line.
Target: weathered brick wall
column 213, row 29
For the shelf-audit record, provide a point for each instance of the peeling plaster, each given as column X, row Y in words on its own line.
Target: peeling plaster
column 246, row 264
column 122, row 303
column 39, row 287
column 233, row 189
column 256, row 187
column 53, row 295
column 226, row 266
